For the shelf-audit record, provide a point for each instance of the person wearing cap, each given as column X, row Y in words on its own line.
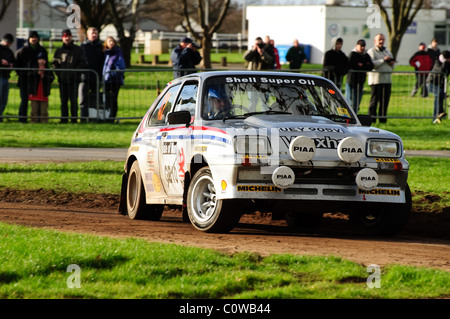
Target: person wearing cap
column 185, row 56
column 422, row 63
column 68, row 56
column 436, row 82
column 27, row 57
column 335, row 62
column 95, row 58
column 360, row 63
column 7, row 60
column 380, row 80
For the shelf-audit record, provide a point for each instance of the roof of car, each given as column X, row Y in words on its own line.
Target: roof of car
column 207, row 74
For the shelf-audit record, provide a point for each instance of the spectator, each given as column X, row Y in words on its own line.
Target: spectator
column 40, row 86
column 7, row 60
column 380, row 80
column 113, row 80
column 68, row 56
column 277, row 64
column 335, row 62
column 436, row 81
column 90, row 83
column 296, row 56
column 185, row 56
column 270, row 49
column 359, row 62
column 433, row 50
column 257, row 57
column 421, row 61
column 27, row 57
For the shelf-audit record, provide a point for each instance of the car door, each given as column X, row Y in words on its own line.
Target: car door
column 151, row 140
column 176, row 143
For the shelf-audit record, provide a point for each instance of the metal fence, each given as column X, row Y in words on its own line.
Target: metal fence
column 142, row 86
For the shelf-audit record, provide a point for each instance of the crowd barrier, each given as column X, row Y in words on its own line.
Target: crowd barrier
column 142, row 86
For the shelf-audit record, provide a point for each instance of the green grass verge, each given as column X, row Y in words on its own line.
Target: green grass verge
column 417, row 134
column 34, row 263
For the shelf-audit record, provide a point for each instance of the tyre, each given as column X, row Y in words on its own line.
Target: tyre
column 136, row 206
column 205, row 211
column 384, row 219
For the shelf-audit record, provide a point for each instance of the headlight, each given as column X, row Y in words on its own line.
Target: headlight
column 252, row 145
column 383, row 148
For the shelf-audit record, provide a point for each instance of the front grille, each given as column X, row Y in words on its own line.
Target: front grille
column 336, row 176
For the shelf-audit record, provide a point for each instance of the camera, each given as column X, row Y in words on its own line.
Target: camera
column 261, row 45
column 197, row 46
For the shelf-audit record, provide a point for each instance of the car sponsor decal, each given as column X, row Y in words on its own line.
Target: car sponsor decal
column 387, row 160
column 258, row 188
column 325, row 142
column 380, row 191
column 279, row 81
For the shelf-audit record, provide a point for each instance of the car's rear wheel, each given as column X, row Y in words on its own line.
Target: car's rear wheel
column 383, row 219
column 205, row 211
column 136, row 205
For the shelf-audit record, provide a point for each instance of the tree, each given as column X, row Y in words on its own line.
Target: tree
column 3, row 7
column 208, row 24
column 94, row 13
column 121, row 12
column 403, row 14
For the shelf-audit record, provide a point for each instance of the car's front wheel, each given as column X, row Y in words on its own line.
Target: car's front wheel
column 136, row 205
column 205, row 211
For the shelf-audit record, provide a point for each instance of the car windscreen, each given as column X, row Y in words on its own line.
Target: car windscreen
column 243, row 96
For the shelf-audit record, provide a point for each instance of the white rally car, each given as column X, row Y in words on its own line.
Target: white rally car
column 221, row 144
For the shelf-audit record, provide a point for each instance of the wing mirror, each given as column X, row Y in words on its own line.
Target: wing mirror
column 179, row 117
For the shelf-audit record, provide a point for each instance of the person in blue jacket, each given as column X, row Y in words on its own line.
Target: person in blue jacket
column 113, row 80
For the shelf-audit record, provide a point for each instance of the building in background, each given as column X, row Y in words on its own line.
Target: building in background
column 315, row 26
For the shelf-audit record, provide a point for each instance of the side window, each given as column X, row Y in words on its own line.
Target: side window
column 188, row 98
column 161, row 110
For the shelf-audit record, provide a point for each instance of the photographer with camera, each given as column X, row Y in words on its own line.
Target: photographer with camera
column 380, row 81
column 185, row 56
column 259, row 58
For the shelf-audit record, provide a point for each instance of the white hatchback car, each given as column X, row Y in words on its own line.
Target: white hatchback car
column 221, row 144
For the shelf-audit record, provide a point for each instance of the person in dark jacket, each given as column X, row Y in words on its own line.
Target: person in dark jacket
column 27, row 57
column 359, row 62
column 433, row 50
column 296, row 56
column 68, row 56
column 436, row 81
column 335, row 63
column 90, row 85
column 185, row 56
column 113, row 80
column 7, row 60
column 422, row 62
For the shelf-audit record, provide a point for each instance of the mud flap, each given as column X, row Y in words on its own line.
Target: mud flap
column 123, row 195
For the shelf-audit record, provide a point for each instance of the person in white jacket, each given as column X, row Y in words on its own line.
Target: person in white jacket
column 380, row 81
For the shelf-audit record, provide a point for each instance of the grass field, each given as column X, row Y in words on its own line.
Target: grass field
column 34, row 264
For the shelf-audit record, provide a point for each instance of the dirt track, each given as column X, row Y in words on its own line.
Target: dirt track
column 424, row 242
